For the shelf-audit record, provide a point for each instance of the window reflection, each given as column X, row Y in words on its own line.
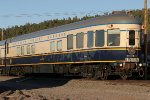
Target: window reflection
column 113, row 37
column 90, row 38
column 99, row 38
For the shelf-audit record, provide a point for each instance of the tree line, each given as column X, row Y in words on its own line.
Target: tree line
column 28, row 28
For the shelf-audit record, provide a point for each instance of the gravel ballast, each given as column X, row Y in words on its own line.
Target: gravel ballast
column 72, row 89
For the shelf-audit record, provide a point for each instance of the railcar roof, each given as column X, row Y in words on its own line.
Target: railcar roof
column 102, row 20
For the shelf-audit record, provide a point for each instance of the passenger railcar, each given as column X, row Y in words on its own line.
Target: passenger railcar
column 93, row 48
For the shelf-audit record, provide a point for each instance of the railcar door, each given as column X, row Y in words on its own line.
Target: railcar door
column 134, row 38
column 133, row 45
column 131, row 37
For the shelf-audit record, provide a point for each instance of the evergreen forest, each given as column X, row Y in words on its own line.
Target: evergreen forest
column 28, row 28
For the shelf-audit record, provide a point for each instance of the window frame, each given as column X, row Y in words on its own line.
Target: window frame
column 89, row 44
column 96, row 43
column 69, row 47
column 59, row 49
column 114, row 41
column 52, row 42
column 79, row 41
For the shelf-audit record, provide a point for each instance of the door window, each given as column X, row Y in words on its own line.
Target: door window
column 131, row 37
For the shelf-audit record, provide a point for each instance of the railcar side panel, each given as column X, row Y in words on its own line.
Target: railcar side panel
column 76, row 57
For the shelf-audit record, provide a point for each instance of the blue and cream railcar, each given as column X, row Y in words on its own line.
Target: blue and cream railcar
column 97, row 47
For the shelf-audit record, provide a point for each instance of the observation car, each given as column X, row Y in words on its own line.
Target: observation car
column 93, row 48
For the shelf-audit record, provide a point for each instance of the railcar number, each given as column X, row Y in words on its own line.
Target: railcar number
column 132, row 59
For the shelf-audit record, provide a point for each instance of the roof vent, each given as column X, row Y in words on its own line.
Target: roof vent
column 122, row 12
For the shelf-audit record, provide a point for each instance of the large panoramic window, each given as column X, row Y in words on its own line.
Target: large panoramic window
column 79, row 40
column 113, row 37
column 52, row 46
column 90, row 38
column 59, row 45
column 99, row 38
column 70, row 41
column 131, row 37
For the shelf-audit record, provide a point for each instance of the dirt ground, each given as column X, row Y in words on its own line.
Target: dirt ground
column 16, row 88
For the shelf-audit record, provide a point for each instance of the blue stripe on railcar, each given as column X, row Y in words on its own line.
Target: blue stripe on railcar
column 100, row 55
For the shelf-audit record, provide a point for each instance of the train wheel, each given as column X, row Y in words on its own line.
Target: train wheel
column 104, row 75
column 96, row 75
column 141, row 72
column 123, row 76
column 21, row 71
column 89, row 76
column 104, row 78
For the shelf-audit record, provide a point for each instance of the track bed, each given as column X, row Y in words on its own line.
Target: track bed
column 40, row 88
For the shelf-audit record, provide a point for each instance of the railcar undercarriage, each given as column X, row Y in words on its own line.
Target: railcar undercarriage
column 90, row 71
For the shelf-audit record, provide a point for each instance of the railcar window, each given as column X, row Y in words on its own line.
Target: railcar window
column 90, row 38
column 99, row 38
column 22, row 50
column 79, row 40
column 18, row 51
column 52, row 46
column 70, row 41
column 131, row 37
column 33, row 49
column 59, row 45
column 113, row 37
column 28, row 49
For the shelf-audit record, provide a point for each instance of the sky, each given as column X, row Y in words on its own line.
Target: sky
column 20, row 12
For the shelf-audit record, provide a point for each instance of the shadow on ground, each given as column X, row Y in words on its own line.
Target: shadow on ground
column 28, row 83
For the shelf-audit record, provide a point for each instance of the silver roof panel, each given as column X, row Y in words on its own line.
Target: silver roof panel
column 102, row 20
